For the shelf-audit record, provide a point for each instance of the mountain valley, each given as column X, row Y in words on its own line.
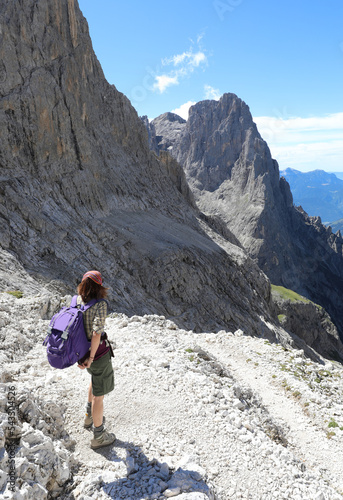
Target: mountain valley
column 225, row 299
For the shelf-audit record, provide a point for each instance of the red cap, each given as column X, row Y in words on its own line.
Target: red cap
column 93, row 275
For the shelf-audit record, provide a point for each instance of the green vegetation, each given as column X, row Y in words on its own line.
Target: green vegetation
column 16, row 293
column 324, row 373
column 285, row 385
column 281, row 317
column 333, row 423
column 189, row 350
column 287, row 294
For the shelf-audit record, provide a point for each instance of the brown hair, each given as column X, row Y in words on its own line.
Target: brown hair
column 89, row 290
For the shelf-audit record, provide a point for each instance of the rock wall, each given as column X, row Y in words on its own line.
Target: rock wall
column 232, row 174
column 153, row 144
column 169, row 127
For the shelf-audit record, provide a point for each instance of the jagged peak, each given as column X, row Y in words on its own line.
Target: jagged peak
column 226, row 102
column 168, row 116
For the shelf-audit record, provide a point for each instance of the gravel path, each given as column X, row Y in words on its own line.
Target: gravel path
column 197, row 416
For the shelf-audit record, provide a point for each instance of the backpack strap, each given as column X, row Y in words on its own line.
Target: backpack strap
column 85, row 306
column 89, row 304
column 73, row 301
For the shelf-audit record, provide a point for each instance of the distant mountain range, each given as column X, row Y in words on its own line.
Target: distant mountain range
column 319, row 193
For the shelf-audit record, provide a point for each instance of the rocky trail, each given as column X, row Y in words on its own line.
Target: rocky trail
column 197, row 416
column 305, row 413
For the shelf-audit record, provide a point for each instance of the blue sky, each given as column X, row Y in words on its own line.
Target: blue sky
column 283, row 58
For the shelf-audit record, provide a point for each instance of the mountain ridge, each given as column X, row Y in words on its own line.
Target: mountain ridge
column 232, row 174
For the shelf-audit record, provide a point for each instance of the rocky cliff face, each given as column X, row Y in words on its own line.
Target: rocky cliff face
column 232, row 174
column 80, row 189
column 153, row 144
column 169, row 127
column 308, row 321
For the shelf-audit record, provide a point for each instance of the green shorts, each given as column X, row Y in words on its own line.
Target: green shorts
column 102, row 375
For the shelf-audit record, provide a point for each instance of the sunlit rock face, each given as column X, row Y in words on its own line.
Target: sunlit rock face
column 232, row 174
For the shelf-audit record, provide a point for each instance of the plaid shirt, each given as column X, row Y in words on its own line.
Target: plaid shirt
column 94, row 318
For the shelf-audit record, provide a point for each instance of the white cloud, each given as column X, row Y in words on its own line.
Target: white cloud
column 212, row 93
column 183, row 65
column 183, row 109
column 175, row 60
column 305, row 143
column 190, row 59
column 305, row 157
column 198, row 59
column 162, row 82
column 201, row 36
column 292, row 129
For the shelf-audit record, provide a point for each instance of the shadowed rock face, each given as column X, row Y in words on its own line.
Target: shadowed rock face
column 153, row 145
column 79, row 188
column 232, row 174
column 310, row 322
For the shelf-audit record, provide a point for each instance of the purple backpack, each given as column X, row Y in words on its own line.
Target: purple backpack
column 67, row 340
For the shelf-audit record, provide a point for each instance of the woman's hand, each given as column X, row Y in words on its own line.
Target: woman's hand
column 94, row 347
column 86, row 364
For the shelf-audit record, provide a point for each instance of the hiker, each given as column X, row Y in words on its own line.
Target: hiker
column 98, row 361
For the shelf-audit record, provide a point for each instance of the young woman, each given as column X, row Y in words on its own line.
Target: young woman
column 98, row 363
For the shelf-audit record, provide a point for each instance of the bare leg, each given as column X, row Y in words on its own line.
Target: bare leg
column 90, row 393
column 97, row 410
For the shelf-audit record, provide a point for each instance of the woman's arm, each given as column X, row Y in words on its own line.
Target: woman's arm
column 95, row 342
column 98, row 328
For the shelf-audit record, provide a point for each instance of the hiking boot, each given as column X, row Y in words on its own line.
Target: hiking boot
column 104, row 439
column 88, row 421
